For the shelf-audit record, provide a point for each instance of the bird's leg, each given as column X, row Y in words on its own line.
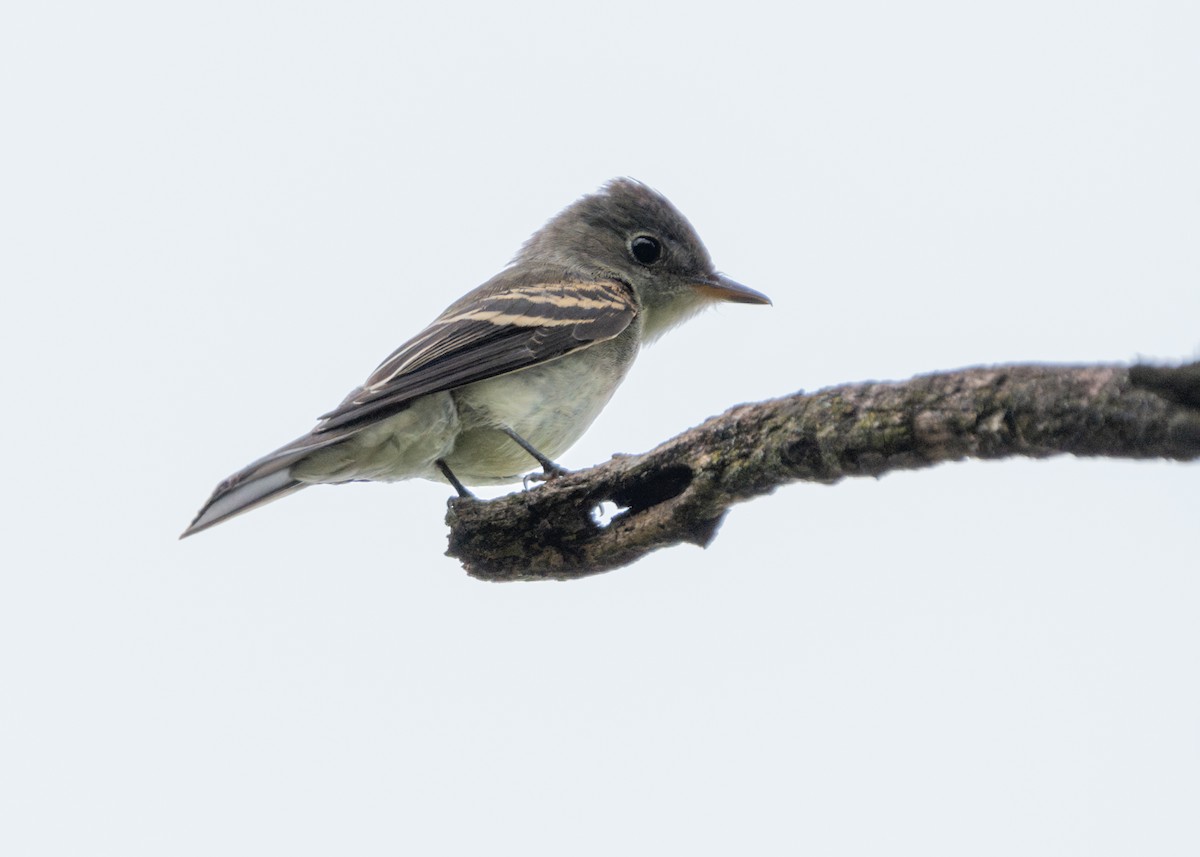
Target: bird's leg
column 549, row 468
column 453, row 480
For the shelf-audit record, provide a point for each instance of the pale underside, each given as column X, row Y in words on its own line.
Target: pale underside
column 549, row 405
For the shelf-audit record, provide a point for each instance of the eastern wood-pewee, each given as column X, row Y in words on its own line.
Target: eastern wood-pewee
column 511, row 374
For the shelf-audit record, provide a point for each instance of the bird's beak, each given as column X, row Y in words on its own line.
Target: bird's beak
column 720, row 287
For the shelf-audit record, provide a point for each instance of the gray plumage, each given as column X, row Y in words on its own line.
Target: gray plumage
column 535, row 352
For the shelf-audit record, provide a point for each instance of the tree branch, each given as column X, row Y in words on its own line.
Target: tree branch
column 680, row 491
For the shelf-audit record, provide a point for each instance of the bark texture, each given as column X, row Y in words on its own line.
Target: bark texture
column 681, row 490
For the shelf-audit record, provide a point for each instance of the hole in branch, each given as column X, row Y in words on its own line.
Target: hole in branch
column 606, row 512
column 653, row 488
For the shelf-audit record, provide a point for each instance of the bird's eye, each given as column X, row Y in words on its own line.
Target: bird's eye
column 645, row 249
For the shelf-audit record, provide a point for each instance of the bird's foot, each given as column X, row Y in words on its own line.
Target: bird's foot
column 549, row 471
column 549, row 468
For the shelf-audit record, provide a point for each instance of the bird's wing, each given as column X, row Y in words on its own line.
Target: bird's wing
column 485, row 335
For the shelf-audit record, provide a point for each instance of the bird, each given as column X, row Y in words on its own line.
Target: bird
column 509, row 376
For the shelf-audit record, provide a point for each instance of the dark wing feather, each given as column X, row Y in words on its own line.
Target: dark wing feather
column 492, row 333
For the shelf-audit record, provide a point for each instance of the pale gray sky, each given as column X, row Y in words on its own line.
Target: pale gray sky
column 219, row 217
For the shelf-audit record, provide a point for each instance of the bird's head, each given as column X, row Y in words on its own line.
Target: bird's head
column 628, row 231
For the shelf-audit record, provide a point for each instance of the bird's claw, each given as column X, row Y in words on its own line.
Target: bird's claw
column 548, row 473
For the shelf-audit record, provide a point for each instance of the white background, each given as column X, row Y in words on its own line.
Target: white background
column 217, row 218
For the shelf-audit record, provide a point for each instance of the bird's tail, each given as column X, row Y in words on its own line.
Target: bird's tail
column 265, row 480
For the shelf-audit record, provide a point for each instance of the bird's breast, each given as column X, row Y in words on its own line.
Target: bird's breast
column 549, row 405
